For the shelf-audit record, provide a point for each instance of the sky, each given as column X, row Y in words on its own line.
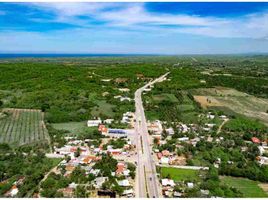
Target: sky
column 134, row 28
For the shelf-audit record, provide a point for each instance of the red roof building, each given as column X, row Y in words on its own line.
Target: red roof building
column 120, row 168
column 159, row 155
column 165, row 153
column 255, row 140
column 102, row 128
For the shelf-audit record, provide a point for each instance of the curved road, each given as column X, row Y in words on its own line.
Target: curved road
column 147, row 184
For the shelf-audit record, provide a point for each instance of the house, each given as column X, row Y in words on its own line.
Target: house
column 126, row 172
column 120, row 168
column 183, row 139
column 128, row 193
column 125, row 99
column 190, row 185
column 167, row 182
column 210, row 116
column 102, row 128
column 114, row 152
column 127, row 117
column 159, row 155
column 210, row 125
column 72, row 185
column 165, row 153
column 255, row 140
column 105, row 80
column 184, row 128
column 95, row 172
column 97, row 183
column 117, row 133
column 177, row 194
column 88, row 159
column 262, row 160
column 67, row 192
column 69, row 168
column 155, row 127
column 92, row 123
column 12, row 192
column 124, row 89
column 123, row 183
column 223, row 117
column 170, row 131
column 108, row 121
column 164, row 160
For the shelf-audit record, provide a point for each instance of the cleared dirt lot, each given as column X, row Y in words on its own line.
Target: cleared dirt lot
column 239, row 102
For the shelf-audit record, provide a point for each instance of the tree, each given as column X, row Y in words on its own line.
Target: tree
column 118, row 189
column 77, row 153
column 80, row 192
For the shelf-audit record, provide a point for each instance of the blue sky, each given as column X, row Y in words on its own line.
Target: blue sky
column 160, row 28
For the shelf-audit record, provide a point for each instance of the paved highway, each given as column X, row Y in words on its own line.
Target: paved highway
column 147, row 184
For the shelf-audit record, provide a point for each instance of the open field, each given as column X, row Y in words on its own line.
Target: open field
column 165, row 97
column 238, row 102
column 73, row 127
column 104, row 109
column 248, row 187
column 22, row 126
column 179, row 174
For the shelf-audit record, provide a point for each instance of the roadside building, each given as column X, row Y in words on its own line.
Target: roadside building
column 167, row 182
column 155, row 127
column 117, row 133
column 123, row 183
column 92, row 123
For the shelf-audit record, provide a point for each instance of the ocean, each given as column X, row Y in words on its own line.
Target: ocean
column 66, row 55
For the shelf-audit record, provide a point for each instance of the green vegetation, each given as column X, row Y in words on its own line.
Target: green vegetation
column 177, row 174
column 247, row 187
column 30, row 167
column 165, row 97
column 70, row 92
column 73, row 127
column 240, row 124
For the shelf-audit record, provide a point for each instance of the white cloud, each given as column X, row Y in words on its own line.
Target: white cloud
column 134, row 17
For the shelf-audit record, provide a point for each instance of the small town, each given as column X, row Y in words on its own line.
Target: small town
column 133, row 99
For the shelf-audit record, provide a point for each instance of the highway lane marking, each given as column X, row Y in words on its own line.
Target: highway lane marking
column 146, row 188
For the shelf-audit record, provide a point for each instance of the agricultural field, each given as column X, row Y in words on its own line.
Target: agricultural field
column 22, row 126
column 237, row 101
column 247, row 187
column 177, row 174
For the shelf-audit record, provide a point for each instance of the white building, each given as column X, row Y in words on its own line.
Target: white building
column 124, row 183
column 155, row 127
column 164, row 160
column 167, row 182
column 91, row 123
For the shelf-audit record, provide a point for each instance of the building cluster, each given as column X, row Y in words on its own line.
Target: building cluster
column 85, row 153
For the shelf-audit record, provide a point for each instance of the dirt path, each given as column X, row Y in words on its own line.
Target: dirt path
column 220, row 127
column 54, row 169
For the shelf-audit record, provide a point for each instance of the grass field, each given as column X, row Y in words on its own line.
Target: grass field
column 22, row 126
column 103, row 108
column 165, row 97
column 248, row 187
column 179, row 174
column 70, row 126
column 238, row 102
